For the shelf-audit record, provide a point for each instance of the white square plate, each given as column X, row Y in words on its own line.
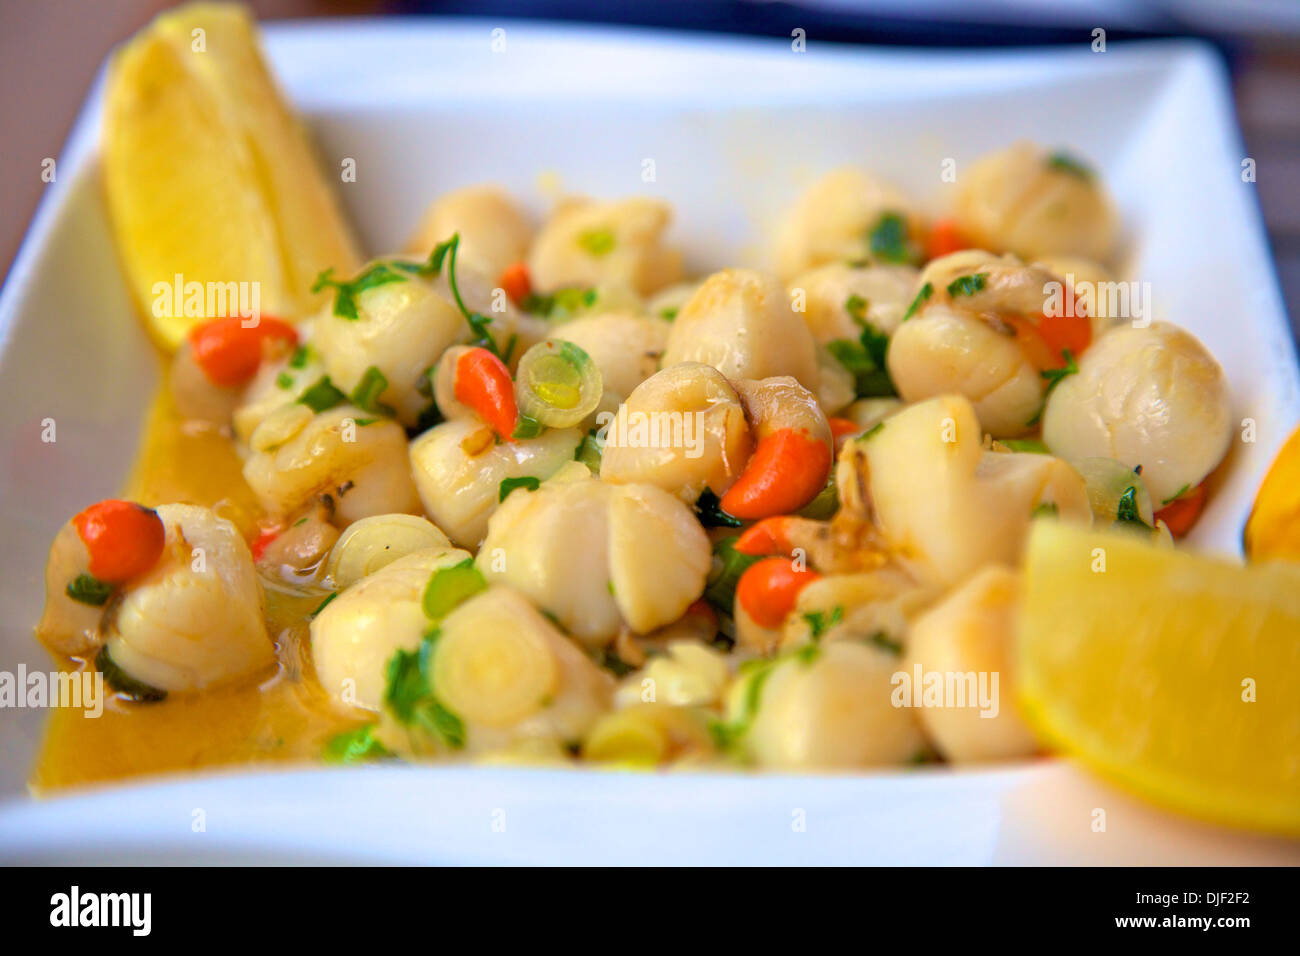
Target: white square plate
column 735, row 128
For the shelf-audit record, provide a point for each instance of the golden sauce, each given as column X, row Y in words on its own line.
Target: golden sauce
column 287, row 716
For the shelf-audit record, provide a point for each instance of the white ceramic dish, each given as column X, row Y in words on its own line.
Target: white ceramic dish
column 734, row 128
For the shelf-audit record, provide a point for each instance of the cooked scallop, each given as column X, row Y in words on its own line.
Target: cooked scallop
column 828, row 710
column 741, row 323
column 194, row 620
column 494, row 231
column 1153, row 397
column 619, row 243
column 598, row 556
column 881, row 293
column 459, row 466
column 356, row 634
column 968, row 636
column 945, row 351
column 683, row 430
column 835, row 218
column 625, row 347
column 1025, row 200
column 944, row 504
column 355, row 459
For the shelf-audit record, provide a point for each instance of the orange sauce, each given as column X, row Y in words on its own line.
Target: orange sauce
column 285, row 716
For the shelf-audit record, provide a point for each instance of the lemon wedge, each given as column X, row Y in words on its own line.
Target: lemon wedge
column 1175, row 675
column 1273, row 530
column 209, row 177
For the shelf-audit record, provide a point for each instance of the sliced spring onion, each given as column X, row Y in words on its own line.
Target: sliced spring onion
column 557, row 384
column 449, row 587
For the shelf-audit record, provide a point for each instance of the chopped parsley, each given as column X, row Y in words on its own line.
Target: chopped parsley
column 1054, row 377
column 284, row 380
column 1030, row 445
column 1127, row 512
column 887, row 239
column 607, row 658
column 728, row 734
column 1177, row 494
column 124, row 683
column 345, row 293
column 669, row 313
column 968, row 285
column 819, row 622
column 922, row 297
column 88, row 589
column 325, row 603
column 409, row 696
column 865, row 358
column 1068, row 164
column 299, row 357
column 510, row 484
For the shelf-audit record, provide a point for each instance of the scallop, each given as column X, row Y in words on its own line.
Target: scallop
column 619, row 244
column 625, row 347
column 1024, row 200
column 884, row 291
column 358, row 460
column 357, row 633
column 968, row 639
column 682, row 430
column 828, row 710
column 740, row 322
column 834, row 219
column 598, row 556
column 195, row 619
column 1152, row 397
column 494, row 231
column 944, row 351
column 458, row 468
column 944, row 504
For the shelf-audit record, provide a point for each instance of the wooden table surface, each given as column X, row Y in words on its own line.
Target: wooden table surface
column 51, row 49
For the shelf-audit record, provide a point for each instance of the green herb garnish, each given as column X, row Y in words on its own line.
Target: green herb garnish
column 355, row 746
column 1068, row 164
column 1046, row 509
column 510, row 484
column 1054, row 377
column 1030, row 445
column 1126, row 512
column 590, row 451
column 124, row 683
column 1176, row 495
column 887, row 239
column 597, row 242
column 88, row 589
column 449, row 587
column 922, row 297
column 322, row 395
column 325, row 603
column 819, row 622
column 366, row 395
column 527, row 427
column 345, row 293
column 968, row 285
column 409, row 695
column 709, row 510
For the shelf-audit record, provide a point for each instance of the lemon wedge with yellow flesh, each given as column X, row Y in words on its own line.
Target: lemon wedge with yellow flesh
column 1175, row 675
column 1273, row 530
column 209, row 175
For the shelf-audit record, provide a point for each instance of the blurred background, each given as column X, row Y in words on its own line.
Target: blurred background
column 50, row 51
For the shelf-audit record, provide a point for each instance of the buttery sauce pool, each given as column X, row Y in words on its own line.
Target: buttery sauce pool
column 285, row 716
